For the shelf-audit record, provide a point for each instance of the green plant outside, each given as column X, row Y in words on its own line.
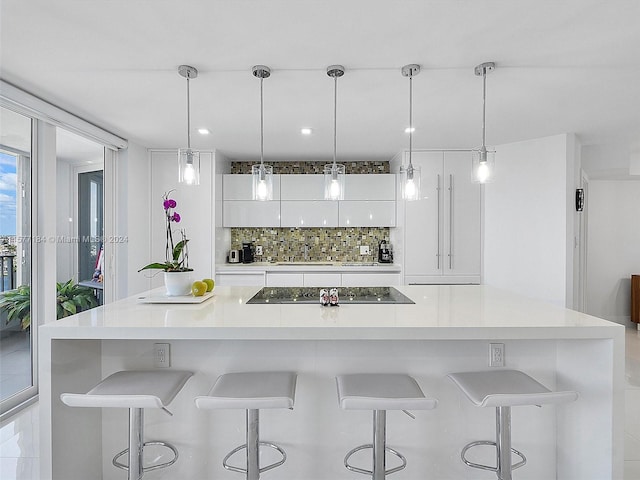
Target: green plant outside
column 70, row 299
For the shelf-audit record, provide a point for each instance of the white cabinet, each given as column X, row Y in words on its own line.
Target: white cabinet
column 442, row 229
column 370, row 279
column 255, row 279
column 240, row 210
column 301, row 187
column 275, row 279
column 369, row 201
column 361, row 213
column 370, row 187
column 327, row 280
column 298, row 201
column 303, row 204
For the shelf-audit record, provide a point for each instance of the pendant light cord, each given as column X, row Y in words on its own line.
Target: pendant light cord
column 410, row 120
column 484, row 101
column 188, row 116
column 335, row 119
column 261, row 126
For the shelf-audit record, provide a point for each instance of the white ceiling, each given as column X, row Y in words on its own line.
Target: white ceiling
column 562, row 66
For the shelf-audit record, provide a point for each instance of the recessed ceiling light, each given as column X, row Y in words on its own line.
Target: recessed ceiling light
column 409, row 129
column 204, row 131
column 306, row 131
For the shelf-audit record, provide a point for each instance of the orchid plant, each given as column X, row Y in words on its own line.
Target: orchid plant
column 176, row 255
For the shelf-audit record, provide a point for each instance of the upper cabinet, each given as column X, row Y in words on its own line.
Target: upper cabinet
column 369, row 201
column 240, row 210
column 303, row 204
column 298, row 201
column 370, row 187
column 442, row 229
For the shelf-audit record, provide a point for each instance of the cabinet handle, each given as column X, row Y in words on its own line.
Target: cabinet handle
column 438, row 196
column 450, row 222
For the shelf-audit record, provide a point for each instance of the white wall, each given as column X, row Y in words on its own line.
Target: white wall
column 613, row 253
column 526, row 219
column 195, row 206
column 132, row 222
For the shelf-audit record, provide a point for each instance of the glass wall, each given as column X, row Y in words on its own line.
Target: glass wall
column 16, row 342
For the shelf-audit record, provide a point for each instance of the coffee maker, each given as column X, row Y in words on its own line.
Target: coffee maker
column 248, row 252
column 385, row 255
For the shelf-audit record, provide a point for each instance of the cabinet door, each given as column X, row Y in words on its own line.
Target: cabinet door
column 240, row 279
column 308, row 213
column 461, row 216
column 370, row 187
column 284, row 279
column 326, row 280
column 367, row 214
column 423, row 218
column 240, row 187
column 370, row 279
column 301, row 187
column 250, row 213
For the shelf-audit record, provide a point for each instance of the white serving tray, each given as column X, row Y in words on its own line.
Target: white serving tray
column 159, row 297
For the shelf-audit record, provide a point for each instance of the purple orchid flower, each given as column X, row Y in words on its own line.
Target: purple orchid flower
column 175, row 217
column 169, row 203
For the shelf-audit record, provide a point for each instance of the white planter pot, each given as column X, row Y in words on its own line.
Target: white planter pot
column 178, row 283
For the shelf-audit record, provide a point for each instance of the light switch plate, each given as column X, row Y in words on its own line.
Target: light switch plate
column 364, row 249
column 259, row 250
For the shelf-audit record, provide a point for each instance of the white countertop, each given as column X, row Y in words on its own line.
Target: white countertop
column 334, row 267
column 440, row 312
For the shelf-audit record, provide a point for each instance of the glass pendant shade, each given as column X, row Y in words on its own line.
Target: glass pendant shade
column 262, row 178
column 188, row 166
column 334, row 181
column 410, row 182
column 483, row 163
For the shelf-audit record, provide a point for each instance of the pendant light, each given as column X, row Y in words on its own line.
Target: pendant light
column 410, row 175
column 334, row 172
column 483, row 160
column 188, row 159
column 262, row 175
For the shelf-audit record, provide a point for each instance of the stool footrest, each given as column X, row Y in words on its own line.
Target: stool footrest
column 123, row 466
column 261, row 470
column 487, row 467
column 369, row 472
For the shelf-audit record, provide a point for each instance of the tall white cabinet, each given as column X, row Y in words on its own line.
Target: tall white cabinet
column 442, row 240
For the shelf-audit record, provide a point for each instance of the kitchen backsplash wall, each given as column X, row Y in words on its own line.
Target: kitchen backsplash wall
column 324, row 244
column 315, row 167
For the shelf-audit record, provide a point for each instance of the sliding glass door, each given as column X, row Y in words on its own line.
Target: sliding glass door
column 17, row 372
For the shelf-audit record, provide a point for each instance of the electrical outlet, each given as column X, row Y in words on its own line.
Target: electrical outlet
column 364, row 249
column 496, row 354
column 162, row 355
column 259, row 250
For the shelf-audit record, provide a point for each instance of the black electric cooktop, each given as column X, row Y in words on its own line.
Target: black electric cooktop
column 347, row 295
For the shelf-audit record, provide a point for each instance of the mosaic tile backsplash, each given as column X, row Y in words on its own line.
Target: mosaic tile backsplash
column 314, row 167
column 324, row 244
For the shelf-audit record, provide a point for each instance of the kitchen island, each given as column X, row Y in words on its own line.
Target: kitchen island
column 447, row 329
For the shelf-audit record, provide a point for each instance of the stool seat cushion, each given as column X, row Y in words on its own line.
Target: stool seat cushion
column 381, row 391
column 132, row 389
column 251, row 391
column 506, row 388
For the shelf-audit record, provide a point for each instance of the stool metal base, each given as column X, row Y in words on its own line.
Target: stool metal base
column 252, row 447
column 379, row 448
column 260, row 469
column 503, row 467
column 370, row 472
column 136, row 448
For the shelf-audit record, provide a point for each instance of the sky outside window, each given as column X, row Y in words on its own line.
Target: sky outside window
column 7, row 194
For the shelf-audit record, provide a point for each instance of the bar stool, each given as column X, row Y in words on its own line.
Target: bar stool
column 504, row 389
column 251, row 391
column 380, row 392
column 135, row 390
